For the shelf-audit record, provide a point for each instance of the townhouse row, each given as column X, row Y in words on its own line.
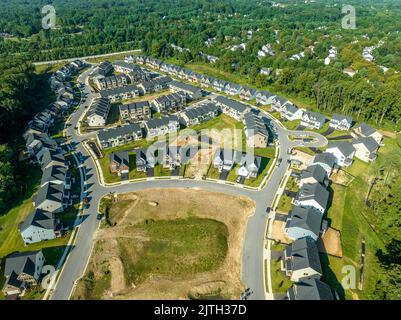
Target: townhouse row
column 23, row 270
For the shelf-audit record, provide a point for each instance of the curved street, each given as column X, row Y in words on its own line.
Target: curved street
column 253, row 247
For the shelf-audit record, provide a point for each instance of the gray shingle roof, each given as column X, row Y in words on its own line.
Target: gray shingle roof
column 311, row 289
column 315, row 116
column 199, row 111
column 370, row 143
column 314, row 191
column 121, row 90
column 100, row 107
column 184, row 87
column 23, row 262
column 51, row 155
column 365, row 129
column 316, row 172
column 326, row 158
column 306, row 218
column 121, row 158
column 340, row 118
column 304, row 254
column 112, row 133
column 164, row 121
column 255, row 123
column 345, row 147
column 50, row 191
column 39, row 218
column 233, row 104
column 53, row 173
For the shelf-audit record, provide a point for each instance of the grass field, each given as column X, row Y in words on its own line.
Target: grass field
column 202, row 242
column 349, row 214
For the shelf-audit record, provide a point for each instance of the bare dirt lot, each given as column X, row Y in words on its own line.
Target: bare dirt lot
column 169, row 244
column 330, row 243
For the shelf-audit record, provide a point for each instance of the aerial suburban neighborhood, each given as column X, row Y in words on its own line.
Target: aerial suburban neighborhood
column 252, row 161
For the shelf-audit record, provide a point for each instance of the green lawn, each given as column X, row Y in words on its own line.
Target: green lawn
column 291, row 125
column 268, row 152
column 175, row 247
column 213, row 173
column 133, row 173
column 113, row 117
column 280, row 283
column 349, row 214
column 233, row 173
column 162, row 172
column 224, row 122
column 284, row 204
column 264, row 168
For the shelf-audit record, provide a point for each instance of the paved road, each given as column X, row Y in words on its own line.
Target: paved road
column 84, row 58
column 252, row 261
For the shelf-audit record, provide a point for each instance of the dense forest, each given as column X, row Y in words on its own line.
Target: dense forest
column 215, row 27
column 22, row 93
column 98, row 26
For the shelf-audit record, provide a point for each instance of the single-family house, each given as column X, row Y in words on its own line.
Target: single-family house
column 98, row 112
column 302, row 260
column 340, row 122
column 171, row 157
column 310, row 289
column 343, row 151
column 313, row 195
column 313, row 174
column 232, row 89
column 366, row 148
column 249, row 166
column 313, row 120
column 105, row 68
column 22, row 270
column 326, row 160
column 52, row 157
column 144, row 160
column 264, row 98
column 303, row 222
column 119, row 162
column 291, row 112
column 364, row 130
column 57, row 175
column 224, row 159
column 38, row 226
column 247, row 93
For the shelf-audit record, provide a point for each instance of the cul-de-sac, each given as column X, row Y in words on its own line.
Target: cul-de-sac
column 200, row 151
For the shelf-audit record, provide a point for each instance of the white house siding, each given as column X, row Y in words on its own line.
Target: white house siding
column 304, row 273
column 35, row 234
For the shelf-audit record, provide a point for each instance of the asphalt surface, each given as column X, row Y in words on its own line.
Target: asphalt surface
column 252, row 273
